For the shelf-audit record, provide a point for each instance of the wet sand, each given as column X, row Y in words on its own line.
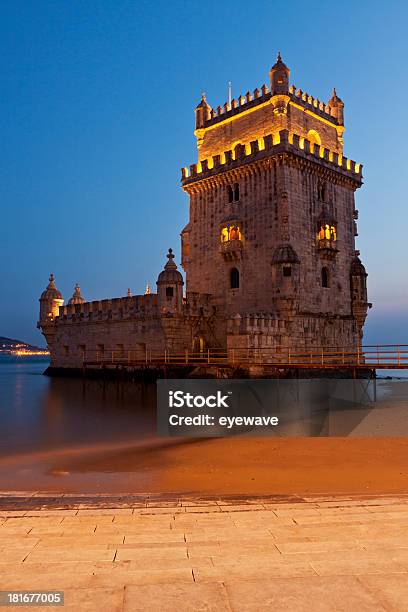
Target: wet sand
column 358, row 464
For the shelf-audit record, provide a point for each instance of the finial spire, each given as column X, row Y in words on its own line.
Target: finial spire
column 129, row 292
column 148, row 290
column 279, row 59
column 52, row 278
column 170, row 265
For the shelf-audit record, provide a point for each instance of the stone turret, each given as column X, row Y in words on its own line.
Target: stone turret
column 336, row 107
column 358, row 286
column 203, row 112
column 170, row 287
column 50, row 301
column 279, row 75
column 76, row 296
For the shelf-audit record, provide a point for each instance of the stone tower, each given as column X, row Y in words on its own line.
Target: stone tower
column 170, row 287
column 271, row 233
column 50, row 301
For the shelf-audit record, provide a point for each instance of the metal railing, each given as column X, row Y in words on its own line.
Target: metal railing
column 373, row 356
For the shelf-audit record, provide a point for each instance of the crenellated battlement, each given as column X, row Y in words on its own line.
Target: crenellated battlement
column 262, row 96
column 323, row 109
column 264, row 147
column 115, row 308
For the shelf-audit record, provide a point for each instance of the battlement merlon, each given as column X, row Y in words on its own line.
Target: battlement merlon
column 268, row 146
column 253, row 101
column 269, row 110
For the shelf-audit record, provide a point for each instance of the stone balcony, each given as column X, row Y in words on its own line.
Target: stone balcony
column 231, row 249
column 327, row 248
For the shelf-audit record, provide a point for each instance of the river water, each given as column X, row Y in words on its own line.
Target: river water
column 41, row 413
column 75, row 435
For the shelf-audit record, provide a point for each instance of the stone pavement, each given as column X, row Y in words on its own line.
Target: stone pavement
column 311, row 554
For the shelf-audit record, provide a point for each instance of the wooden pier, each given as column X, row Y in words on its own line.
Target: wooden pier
column 374, row 357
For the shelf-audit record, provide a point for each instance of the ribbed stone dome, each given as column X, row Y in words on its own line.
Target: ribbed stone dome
column 76, row 297
column 170, row 274
column 357, row 268
column 51, row 292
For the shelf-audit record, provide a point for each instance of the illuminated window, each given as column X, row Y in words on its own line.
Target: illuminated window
column 234, row 278
column 327, row 232
column 325, row 277
column 231, row 232
column 287, row 271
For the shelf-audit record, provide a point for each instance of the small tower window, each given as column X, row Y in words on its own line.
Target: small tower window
column 321, row 191
column 287, row 271
column 233, row 193
column 234, row 278
column 325, row 277
column 169, row 292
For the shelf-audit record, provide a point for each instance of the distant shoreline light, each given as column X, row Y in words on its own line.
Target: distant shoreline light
column 26, row 353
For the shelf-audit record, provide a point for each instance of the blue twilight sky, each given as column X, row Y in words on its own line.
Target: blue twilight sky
column 97, row 117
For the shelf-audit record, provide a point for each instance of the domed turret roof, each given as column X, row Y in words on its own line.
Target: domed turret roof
column 285, row 254
column 51, row 292
column 203, row 103
column 357, row 268
column 170, row 274
column 76, row 297
column 335, row 100
column 279, row 64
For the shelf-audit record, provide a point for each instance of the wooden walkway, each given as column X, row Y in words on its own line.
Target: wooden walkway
column 387, row 357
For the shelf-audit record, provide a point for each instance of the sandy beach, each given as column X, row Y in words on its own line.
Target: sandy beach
column 372, row 459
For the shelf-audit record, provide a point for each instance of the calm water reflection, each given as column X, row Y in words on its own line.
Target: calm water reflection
column 42, row 413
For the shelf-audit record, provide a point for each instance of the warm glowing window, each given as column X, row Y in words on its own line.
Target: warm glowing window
column 327, row 232
column 231, row 232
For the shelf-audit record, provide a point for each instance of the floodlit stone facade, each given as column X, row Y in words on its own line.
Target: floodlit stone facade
column 268, row 252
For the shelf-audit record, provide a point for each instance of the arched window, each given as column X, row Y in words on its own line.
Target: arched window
column 287, row 270
column 325, row 277
column 314, row 138
column 233, row 193
column 321, row 191
column 169, row 292
column 234, row 278
column 230, row 194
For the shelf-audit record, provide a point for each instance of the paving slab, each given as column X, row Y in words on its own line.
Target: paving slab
column 329, row 554
column 178, row 598
column 311, row 594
